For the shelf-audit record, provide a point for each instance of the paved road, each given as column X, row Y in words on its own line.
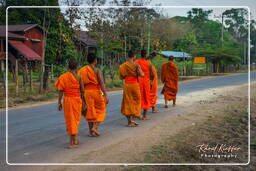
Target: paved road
column 38, row 133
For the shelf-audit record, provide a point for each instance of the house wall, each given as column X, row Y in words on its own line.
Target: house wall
column 2, row 49
column 35, row 33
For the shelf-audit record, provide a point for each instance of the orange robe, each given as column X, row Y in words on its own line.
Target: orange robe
column 131, row 94
column 144, row 83
column 153, row 88
column 96, row 105
column 169, row 76
column 72, row 103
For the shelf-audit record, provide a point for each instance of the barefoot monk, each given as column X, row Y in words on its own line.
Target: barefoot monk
column 169, row 76
column 70, row 85
column 95, row 95
column 131, row 103
column 153, row 90
column 144, row 82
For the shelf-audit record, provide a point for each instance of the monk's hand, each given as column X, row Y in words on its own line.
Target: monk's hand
column 60, row 106
column 106, row 99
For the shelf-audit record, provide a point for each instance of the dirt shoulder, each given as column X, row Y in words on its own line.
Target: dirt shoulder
column 200, row 117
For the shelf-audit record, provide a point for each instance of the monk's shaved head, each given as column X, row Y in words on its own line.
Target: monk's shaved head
column 72, row 64
column 171, row 58
column 91, row 58
column 131, row 54
column 143, row 53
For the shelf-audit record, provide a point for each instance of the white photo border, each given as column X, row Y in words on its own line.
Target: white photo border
column 129, row 164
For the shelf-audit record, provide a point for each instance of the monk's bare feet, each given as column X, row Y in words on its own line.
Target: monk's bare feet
column 95, row 131
column 76, row 142
column 165, row 106
column 72, row 146
column 131, row 125
column 135, row 123
column 173, row 105
column 145, row 118
column 154, row 111
column 92, row 134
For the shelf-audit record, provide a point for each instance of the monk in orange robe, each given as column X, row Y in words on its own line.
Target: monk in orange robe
column 70, row 85
column 144, row 82
column 170, row 76
column 131, row 103
column 95, row 95
column 153, row 90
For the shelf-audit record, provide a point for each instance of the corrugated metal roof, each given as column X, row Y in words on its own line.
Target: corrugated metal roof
column 24, row 50
column 84, row 37
column 22, row 27
column 176, row 54
column 10, row 35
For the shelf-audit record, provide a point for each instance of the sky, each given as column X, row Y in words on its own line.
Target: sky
column 216, row 15
column 183, row 12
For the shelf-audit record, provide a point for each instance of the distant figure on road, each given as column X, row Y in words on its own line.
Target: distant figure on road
column 144, row 82
column 169, row 76
column 95, row 95
column 131, row 103
column 71, row 86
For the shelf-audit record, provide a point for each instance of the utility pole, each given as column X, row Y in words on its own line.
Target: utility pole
column 125, row 47
column 149, row 33
column 222, row 29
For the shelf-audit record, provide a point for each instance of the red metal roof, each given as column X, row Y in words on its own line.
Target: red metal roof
column 24, row 50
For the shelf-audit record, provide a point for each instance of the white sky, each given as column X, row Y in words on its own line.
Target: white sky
column 183, row 12
column 171, row 12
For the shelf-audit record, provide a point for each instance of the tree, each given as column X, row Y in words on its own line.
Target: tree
column 186, row 43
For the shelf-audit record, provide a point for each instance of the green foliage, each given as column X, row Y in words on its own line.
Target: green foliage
column 225, row 55
column 186, row 43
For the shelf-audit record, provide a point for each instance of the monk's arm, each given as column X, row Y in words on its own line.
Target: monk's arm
column 102, row 84
column 61, row 93
column 82, row 88
column 139, row 70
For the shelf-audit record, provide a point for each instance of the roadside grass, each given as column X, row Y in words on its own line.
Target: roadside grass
column 230, row 127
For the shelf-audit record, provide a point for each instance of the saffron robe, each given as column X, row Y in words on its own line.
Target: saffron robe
column 144, row 83
column 131, row 102
column 153, row 88
column 96, row 105
column 169, row 76
column 72, row 102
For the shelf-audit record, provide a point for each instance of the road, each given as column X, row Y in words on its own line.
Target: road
column 37, row 134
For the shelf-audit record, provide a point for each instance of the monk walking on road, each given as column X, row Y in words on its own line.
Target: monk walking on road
column 71, row 86
column 144, row 82
column 95, row 95
column 153, row 90
column 131, row 103
column 169, row 76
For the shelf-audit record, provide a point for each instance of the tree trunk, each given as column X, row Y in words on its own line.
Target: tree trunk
column 45, row 79
column 3, row 74
column 16, row 76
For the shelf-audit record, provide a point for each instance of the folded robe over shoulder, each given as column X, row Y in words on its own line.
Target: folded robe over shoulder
column 169, row 76
column 96, row 105
column 131, row 102
column 144, row 83
column 72, row 103
column 153, row 88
